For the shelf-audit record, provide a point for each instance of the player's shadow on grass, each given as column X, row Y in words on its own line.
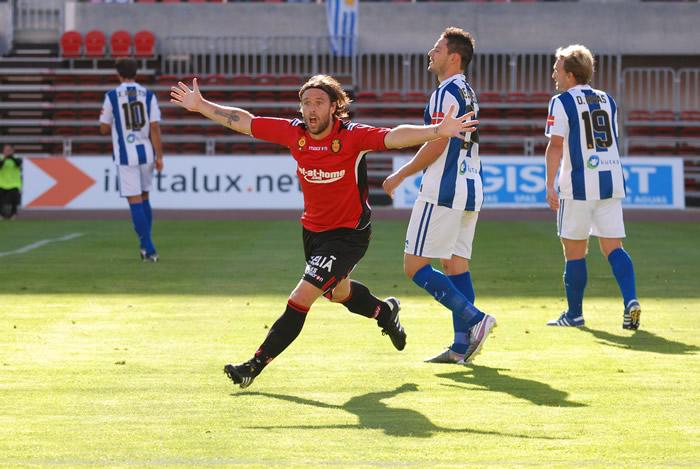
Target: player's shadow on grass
column 643, row 341
column 372, row 413
column 491, row 379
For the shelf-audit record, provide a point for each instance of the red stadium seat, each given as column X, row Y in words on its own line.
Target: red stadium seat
column 120, row 44
column 517, row 97
column 71, row 44
column 690, row 115
column 689, row 150
column 215, row 80
column 242, row 80
column 690, row 132
column 489, row 113
column 144, row 44
column 65, row 114
column 290, row 80
column 65, row 96
column 665, row 150
column 391, row 97
column 490, row 97
column 95, row 44
column 539, row 97
column 66, row 79
column 91, row 114
column 65, row 131
column 664, row 115
column 169, row 80
column 416, row 97
column 638, row 115
column 265, row 80
column 366, row 97
column 640, row 150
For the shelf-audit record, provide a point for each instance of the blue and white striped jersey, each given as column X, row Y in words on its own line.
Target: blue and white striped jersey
column 590, row 167
column 454, row 179
column 129, row 109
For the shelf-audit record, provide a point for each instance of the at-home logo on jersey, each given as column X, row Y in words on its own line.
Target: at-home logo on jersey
column 319, row 176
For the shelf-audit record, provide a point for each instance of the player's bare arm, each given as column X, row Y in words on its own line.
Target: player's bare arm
column 157, row 145
column 553, row 154
column 412, row 135
column 234, row 118
column 427, row 154
column 105, row 129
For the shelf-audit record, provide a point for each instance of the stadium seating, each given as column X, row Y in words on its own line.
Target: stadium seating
column 71, row 44
column 144, row 44
column 120, row 44
column 95, row 44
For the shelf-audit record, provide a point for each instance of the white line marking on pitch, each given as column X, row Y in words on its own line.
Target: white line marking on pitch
column 38, row 244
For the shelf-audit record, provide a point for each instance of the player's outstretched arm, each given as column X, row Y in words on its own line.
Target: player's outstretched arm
column 191, row 99
column 411, row 135
column 427, row 154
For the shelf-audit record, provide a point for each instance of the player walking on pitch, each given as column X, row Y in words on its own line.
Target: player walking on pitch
column 444, row 216
column 336, row 220
column 583, row 139
column 131, row 114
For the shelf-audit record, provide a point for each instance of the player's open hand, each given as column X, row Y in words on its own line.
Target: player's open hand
column 182, row 95
column 455, row 126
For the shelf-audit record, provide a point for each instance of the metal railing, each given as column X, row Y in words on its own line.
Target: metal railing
column 282, row 55
column 39, row 15
column 399, row 72
column 688, row 89
column 649, row 88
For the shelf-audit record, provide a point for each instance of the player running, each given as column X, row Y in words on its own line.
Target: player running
column 332, row 171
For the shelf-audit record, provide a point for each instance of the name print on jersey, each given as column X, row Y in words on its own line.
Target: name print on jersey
column 319, row 176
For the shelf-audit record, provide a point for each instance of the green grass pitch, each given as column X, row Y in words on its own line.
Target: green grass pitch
column 105, row 360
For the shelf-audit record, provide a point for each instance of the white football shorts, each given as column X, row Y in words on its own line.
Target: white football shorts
column 133, row 180
column 579, row 219
column 439, row 232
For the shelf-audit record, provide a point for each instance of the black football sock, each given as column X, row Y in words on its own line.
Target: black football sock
column 362, row 302
column 282, row 333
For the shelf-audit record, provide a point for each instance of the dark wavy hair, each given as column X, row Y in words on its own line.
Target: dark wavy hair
column 333, row 89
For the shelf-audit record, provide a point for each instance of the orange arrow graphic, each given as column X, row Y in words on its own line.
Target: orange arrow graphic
column 70, row 182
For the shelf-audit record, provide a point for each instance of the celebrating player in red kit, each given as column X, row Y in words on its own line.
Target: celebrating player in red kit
column 336, row 221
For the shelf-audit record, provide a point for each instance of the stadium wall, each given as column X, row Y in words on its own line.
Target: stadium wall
column 636, row 28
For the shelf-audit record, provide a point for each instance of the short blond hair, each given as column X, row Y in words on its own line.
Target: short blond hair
column 578, row 60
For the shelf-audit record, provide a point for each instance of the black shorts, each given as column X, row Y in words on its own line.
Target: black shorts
column 331, row 255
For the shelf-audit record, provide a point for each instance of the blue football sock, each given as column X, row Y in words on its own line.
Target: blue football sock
column 442, row 289
column 149, row 214
column 463, row 283
column 623, row 270
column 575, row 276
column 138, row 217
